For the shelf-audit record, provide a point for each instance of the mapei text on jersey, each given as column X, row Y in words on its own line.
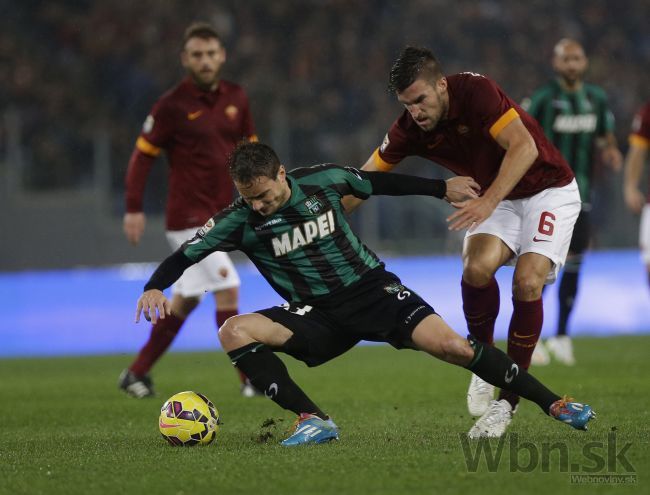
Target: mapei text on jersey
column 322, row 226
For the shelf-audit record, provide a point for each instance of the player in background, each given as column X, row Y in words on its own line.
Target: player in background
column 637, row 155
column 197, row 123
column 524, row 216
column 576, row 119
column 293, row 228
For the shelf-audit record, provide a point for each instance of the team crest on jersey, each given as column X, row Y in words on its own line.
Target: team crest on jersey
column 394, row 288
column 462, row 129
column 206, row 228
column 148, row 124
column 384, row 144
column 231, row 112
column 314, row 205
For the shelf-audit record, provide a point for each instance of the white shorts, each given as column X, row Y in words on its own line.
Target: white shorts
column 644, row 234
column 213, row 273
column 540, row 224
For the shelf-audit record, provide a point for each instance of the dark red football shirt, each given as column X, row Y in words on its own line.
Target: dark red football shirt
column 640, row 135
column 465, row 142
column 198, row 130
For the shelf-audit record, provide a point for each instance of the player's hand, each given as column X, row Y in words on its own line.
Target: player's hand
column 613, row 158
column 133, row 226
column 461, row 189
column 634, row 199
column 153, row 305
column 471, row 213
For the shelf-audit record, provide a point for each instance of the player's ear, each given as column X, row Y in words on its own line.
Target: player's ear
column 442, row 84
column 282, row 173
column 184, row 58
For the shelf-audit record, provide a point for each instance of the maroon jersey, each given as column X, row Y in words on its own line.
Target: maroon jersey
column 640, row 135
column 198, row 130
column 465, row 142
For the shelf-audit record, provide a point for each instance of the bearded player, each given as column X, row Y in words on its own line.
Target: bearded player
column 576, row 119
column 198, row 124
column 524, row 216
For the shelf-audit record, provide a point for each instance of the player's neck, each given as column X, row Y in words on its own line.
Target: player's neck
column 209, row 88
column 571, row 85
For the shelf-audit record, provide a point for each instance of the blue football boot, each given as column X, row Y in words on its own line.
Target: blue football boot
column 572, row 413
column 311, row 429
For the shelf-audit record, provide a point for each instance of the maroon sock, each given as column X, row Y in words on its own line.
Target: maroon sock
column 162, row 335
column 223, row 314
column 523, row 334
column 481, row 308
column 221, row 317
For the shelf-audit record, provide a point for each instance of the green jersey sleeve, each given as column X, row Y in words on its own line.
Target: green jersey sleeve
column 223, row 232
column 349, row 180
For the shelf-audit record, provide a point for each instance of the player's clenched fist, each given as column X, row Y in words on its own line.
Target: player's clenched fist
column 153, row 304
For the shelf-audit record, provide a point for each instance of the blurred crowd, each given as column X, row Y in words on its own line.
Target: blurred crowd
column 316, row 70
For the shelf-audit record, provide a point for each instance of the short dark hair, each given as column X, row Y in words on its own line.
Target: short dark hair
column 414, row 62
column 249, row 161
column 200, row 30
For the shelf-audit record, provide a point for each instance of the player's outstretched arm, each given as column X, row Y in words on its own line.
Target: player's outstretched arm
column 390, row 184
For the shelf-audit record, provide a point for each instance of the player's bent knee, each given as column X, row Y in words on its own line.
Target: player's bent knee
column 233, row 332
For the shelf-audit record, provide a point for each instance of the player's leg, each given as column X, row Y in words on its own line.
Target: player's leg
column 435, row 337
column 546, row 231
column 484, row 251
column 250, row 340
column 560, row 346
column 221, row 278
column 483, row 254
column 227, row 306
column 644, row 239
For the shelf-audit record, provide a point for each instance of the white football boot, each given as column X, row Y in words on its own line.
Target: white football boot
column 540, row 355
column 494, row 422
column 479, row 395
column 561, row 349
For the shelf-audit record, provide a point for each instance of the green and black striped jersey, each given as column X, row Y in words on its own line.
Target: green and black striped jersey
column 572, row 121
column 305, row 250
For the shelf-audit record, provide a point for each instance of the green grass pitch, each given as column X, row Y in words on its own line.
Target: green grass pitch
column 67, row 429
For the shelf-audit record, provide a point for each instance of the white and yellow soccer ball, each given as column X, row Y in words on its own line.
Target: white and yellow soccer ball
column 188, row 418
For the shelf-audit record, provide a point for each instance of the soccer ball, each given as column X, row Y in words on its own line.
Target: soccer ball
column 187, row 419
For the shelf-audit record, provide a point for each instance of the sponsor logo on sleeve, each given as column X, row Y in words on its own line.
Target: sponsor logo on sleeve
column 206, row 228
column 384, row 144
column 147, row 127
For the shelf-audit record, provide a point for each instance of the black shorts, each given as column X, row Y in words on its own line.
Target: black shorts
column 581, row 233
column 378, row 308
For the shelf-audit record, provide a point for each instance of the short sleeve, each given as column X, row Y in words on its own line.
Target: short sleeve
column 157, row 129
column 394, row 148
column 223, row 232
column 491, row 107
column 640, row 135
column 349, row 180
